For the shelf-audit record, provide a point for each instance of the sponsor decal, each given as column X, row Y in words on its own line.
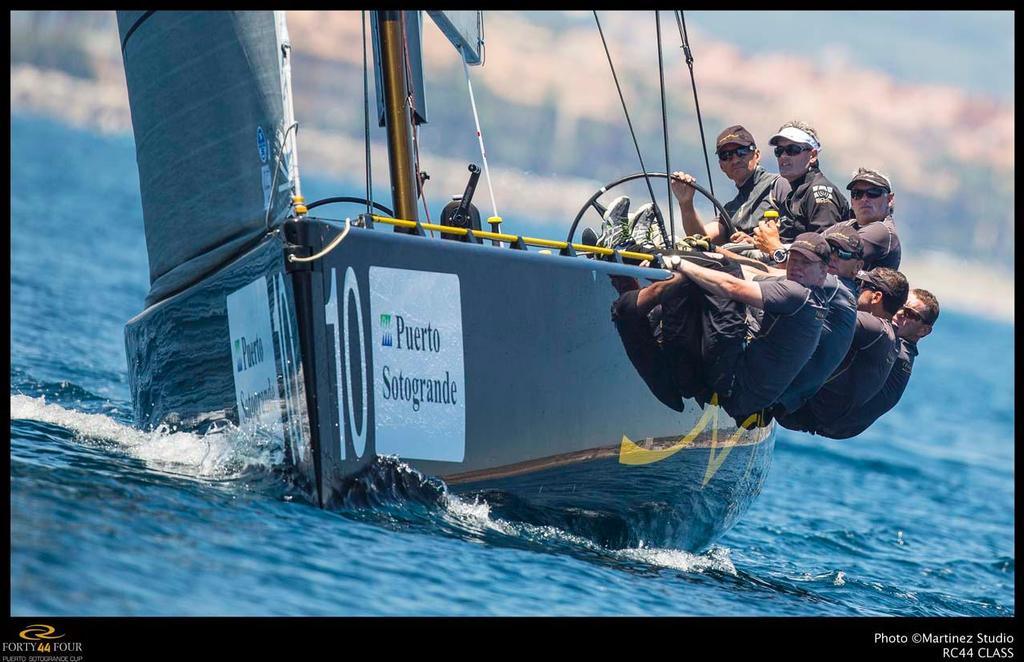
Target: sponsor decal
column 822, row 193
column 252, row 342
column 419, row 381
column 261, row 144
column 385, row 330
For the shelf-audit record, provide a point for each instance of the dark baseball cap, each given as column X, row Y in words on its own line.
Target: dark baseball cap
column 844, row 237
column 878, row 283
column 734, row 134
column 812, row 245
column 871, row 177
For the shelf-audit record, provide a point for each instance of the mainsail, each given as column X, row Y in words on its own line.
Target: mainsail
column 206, row 97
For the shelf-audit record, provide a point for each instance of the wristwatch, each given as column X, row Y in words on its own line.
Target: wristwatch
column 779, row 255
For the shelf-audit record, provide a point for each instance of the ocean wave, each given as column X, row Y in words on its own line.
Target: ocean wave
column 225, row 453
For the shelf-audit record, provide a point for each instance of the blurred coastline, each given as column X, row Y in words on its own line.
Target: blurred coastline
column 85, row 88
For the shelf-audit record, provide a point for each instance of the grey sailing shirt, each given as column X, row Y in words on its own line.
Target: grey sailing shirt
column 763, row 191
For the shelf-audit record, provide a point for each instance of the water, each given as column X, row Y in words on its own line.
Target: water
column 915, row 517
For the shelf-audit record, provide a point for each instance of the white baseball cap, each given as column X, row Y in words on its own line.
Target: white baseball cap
column 797, row 136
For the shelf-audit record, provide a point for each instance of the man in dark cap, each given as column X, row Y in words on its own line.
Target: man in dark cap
column 749, row 376
column 872, row 201
column 758, row 190
column 841, row 292
column 913, row 322
column 869, row 359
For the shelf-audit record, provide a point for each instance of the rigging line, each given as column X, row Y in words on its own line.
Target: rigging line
column 411, row 101
column 482, row 43
column 479, row 134
column 650, row 189
column 681, row 23
column 366, row 118
column 277, row 166
column 664, row 129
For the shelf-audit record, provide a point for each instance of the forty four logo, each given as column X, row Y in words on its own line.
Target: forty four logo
column 385, row 328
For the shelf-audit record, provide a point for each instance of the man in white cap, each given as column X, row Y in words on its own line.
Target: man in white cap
column 814, row 203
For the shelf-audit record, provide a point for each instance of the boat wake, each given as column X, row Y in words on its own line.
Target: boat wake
column 390, row 493
column 220, row 454
column 386, row 492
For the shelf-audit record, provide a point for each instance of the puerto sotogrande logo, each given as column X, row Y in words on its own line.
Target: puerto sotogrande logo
column 247, row 354
column 385, row 330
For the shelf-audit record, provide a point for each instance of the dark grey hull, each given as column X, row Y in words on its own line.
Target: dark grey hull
column 497, row 370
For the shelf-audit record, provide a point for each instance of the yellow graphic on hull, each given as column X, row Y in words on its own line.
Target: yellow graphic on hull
column 631, row 453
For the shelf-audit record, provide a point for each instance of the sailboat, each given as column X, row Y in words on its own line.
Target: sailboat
column 482, row 361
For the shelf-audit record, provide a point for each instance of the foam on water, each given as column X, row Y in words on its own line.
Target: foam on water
column 476, row 514
column 715, row 559
column 219, row 454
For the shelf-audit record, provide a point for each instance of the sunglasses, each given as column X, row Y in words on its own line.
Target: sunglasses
column 727, row 154
column 913, row 315
column 792, row 150
column 843, row 254
column 874, row 193
column 865, row 285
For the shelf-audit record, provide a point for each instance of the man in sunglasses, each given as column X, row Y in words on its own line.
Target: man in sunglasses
column 841, row 292
column 913, row 322
column 758, row 190
column 871, row 193
column 814, row 203
column 869, row 359
column 749, row 368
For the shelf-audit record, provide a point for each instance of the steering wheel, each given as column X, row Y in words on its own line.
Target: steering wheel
column 601, row 209
column 345, row 198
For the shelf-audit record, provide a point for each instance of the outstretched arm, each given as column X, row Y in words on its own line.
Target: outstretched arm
column 723, row 284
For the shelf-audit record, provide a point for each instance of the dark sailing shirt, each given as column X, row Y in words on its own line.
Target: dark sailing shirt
column 859, row 418
column 813, row 204
column 880, row 241
column 763, row 191
column 861, row 374
column 788, row 335
column 836, row 336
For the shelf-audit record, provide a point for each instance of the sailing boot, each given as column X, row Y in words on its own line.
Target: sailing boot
column 614, row 228
column 640, row 223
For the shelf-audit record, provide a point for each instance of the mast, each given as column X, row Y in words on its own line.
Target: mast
column 398, row 118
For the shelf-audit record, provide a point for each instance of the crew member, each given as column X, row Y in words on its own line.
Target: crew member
column 872, row 202
column 749, row 376
column 814, row 203
column 913, row 322
column 872, row 208
column 758, row 190
column 841, row 292
column 866, row 365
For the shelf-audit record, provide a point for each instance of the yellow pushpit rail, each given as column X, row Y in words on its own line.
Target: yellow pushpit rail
column 515, row 241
